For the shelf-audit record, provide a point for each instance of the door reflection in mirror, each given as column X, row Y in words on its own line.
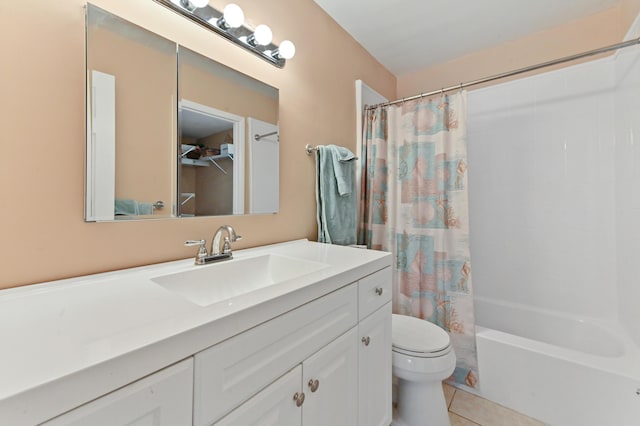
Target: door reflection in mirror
column 210, row 166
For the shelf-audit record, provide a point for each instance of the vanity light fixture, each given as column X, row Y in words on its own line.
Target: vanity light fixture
column 230, row 24
column 190, row 5
column 198, row 3
column 286, row 50
column 261, row 36
column 232, row 17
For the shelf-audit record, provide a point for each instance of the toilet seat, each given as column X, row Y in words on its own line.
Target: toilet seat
column 437, row 354
column 418, row 338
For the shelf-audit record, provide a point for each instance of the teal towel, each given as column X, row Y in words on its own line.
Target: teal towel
column 336, row 195
column 132, row 207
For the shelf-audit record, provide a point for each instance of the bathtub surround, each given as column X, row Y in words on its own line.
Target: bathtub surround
column 554, row 210
column 414, row 204
column 627, row 190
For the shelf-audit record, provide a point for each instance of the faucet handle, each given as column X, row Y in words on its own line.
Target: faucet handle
column 202, row 251
column 190, row 243
column 226, row 246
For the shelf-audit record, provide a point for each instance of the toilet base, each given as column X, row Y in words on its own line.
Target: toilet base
column 421, row 404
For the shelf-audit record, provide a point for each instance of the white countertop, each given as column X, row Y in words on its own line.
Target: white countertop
column 64, row 343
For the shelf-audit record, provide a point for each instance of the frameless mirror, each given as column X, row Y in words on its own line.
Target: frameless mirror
column 171, row 132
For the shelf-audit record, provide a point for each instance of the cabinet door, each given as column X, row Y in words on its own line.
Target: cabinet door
column 162, row 399
column 273, row 406
column 374, row 368
column 330, row 383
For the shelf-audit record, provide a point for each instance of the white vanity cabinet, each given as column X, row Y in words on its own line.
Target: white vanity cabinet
column 162, row 399
column 326, row 362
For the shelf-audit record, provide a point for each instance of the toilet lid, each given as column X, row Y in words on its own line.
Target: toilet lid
column 417, row 335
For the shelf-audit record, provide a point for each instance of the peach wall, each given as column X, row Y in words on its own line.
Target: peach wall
column 44, row 236
column 630, row 9
column 199, row 84
column 601, row 29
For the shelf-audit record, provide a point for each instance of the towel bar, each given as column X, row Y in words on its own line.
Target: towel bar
column 310, row 149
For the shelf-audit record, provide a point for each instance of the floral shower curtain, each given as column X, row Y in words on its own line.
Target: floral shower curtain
column 414, row 204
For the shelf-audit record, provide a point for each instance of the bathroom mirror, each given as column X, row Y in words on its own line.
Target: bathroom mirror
column 170, row 132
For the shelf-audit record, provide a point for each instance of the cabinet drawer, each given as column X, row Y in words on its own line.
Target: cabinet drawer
column 162, row 399
column 374, row 291
column 229, row 373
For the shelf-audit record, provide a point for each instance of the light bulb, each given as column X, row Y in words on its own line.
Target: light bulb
column 199, row 3
column 287, row 50
column 233, row 15
column 263, row 35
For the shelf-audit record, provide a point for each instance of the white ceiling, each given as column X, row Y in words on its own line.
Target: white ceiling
column 199, row 125
column 408, row 35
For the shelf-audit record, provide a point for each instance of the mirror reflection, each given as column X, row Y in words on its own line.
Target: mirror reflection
column 141, row 87
column 131, row 86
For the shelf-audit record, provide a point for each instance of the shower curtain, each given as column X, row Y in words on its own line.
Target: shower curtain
column 414, row 205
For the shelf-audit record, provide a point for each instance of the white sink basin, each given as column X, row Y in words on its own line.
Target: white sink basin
column 214, row 283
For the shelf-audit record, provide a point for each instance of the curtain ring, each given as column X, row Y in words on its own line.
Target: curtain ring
column 461, row 87
column 421, row 95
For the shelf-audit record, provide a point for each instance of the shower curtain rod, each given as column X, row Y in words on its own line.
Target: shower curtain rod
column 460, row 86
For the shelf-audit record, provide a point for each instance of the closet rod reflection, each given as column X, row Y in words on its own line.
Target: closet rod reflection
column 258, row 137
column 461, row 86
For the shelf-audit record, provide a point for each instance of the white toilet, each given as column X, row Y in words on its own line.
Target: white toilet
column 422, row 358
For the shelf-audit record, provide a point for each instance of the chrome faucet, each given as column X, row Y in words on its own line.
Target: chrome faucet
column 226, row 248
column 214, row 255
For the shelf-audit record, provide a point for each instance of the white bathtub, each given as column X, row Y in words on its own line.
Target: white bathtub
column 555, row 368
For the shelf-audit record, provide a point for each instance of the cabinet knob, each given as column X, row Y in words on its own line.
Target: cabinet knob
column 299, row 398
column 313, row 385
column 379, row 291
column 366, row 340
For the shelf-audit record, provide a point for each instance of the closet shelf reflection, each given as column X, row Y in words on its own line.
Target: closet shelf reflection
column 203, row 161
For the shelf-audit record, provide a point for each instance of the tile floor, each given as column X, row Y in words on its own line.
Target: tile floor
column 466, row 409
